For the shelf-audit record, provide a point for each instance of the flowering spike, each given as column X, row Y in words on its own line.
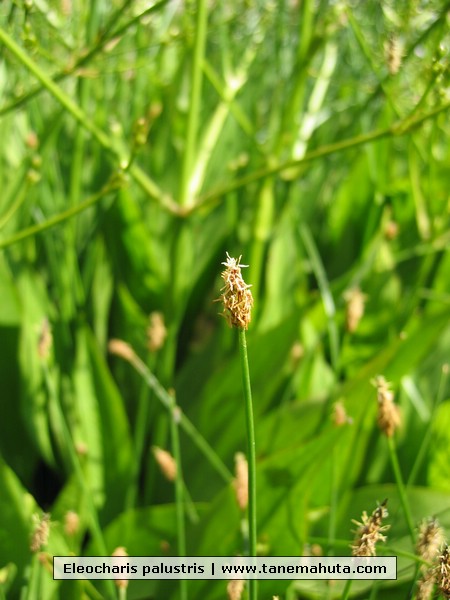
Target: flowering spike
column 236, row 296
column 389, row 418
column 369, row 531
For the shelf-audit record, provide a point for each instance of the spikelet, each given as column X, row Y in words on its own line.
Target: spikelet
column 71, row 523
column 430, row 540
column 122, row 349
column 370, row 531
column 241, row 480
column 443, row 572
column 354, row 308
column 39, row 538
column 236, row 296
column 388, row 413
column 166, row 463
column 156, row 331
column 235, row 589
column 120, row 583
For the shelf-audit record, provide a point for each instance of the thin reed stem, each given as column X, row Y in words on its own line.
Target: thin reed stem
column 251, row 456
column 179, row 491
column 185, row 424
column 401, row 488
column 347, row 588
column 96, row 531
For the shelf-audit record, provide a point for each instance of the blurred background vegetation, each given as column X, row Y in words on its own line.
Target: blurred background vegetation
column 139, row 143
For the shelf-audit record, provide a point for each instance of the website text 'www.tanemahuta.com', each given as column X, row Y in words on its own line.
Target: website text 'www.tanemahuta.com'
column 224, row 567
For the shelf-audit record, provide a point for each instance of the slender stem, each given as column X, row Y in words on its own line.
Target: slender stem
column 185, row 424
column 426, row 438
column 146, row 183
column 325, row 291
column 401, row 488
column 96, row 530
column 251, row 451
column 347, row 588
column 399, row 128
column 113, row 184
column 179, row 491
column 195, row 102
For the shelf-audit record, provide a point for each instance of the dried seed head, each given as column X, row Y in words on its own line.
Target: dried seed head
column 241, row 481
column 430, row 540
column 71, row 522
column 45, row 341
column 166, row 463
column 122, row 349
column 235, row 589
column 120, row 583
column 81, row 449
column 236, row 296
column 443, row 572
column 391, row 230
column 156, row 331
column 369, row 532
column 340, row 416
column 46, row 561
column 388, row 413
column 394, row 54
column 296, row 354
column 425, row 586
column 354, row 309
column 39, row 538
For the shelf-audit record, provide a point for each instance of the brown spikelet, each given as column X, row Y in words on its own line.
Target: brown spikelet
column 340, row 416
column 156, row 331
column 235, row 589
column 241, row 480
column 46, row 561
column 71, row 522
column 388, row 413
column 45, row 341
column 354, row 308
column 391, row 230
column 394, row 54
column 39, row 538
column 236, row 296
column 370, row 531
column 443, row 572
column 429, row 542
column 122, row 349
column 166, row 463
column 120, row 551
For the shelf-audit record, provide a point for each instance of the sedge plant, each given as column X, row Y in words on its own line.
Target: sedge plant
column 237, row 302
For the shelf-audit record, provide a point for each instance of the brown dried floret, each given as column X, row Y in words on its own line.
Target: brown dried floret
column 241, row 480
column 370, row 531
column 236, row 296
column 443, row 572
column 388, row 413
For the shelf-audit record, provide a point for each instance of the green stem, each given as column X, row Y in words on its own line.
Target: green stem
column 426, row 438
column 179, row 490
column 347, row 588
column 194, row 102
column 399, row 128
column 185, row 424
column 251, row 456
column 325, row 291
column 146, row 183
column 401, row 489
column 86, row 56
column 110, row 186
column 97, row 534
